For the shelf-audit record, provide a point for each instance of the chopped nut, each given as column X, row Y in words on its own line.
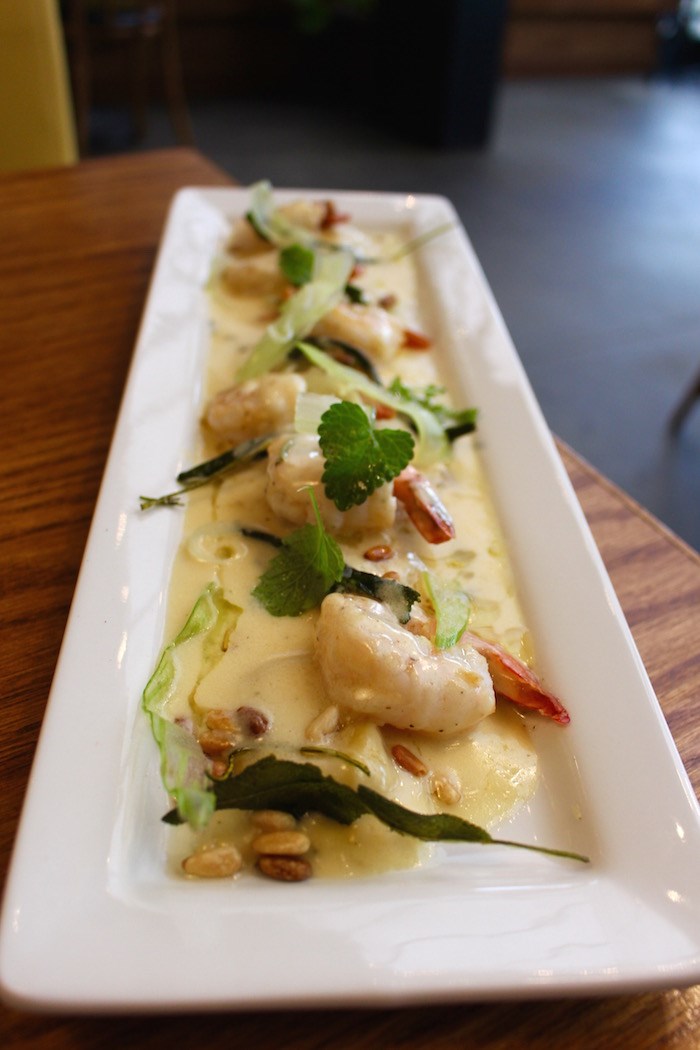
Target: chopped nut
column 408, row 761
column 379, row 553
column 213, row 862
column 327, row 722
column 282, row 843
column 388, row 302
column 446, row 788
column 216, row 742
column 221, row 719
column 254, row 721
column 285, row 869
column 273, row 820
column 391, row 575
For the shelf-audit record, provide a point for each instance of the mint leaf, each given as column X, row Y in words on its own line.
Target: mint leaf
column 297, row 264
column 359, row 457
column 299, row 577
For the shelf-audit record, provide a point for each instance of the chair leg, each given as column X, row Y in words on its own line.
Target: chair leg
column 174, row 87
column 691, row 395
column 79, row 54
column 139, row 85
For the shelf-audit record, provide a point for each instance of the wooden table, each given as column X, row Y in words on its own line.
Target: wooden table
column 76, row 251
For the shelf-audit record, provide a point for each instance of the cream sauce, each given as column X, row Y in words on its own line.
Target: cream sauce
column 270, row 663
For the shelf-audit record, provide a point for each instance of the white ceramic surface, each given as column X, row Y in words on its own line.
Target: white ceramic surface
column 91, row 918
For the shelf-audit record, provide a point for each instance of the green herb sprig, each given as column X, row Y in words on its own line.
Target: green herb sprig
column 296, row 788
column 211, row 470
column 303, row 572
column 359, row 457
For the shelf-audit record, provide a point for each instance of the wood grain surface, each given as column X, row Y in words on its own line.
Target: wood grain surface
column 76, row 251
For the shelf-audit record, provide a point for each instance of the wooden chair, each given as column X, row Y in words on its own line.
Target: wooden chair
column 136, row 25
column 37, row 126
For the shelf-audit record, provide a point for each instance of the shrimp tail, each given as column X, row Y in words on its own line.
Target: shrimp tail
column 423, row 506
column 513, row 681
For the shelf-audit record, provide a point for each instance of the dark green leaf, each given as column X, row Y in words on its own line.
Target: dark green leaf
column 355, row 294
column 359, row 457
column 299, row 577
column 210, row 470
column 300, row 788
column 398, row 596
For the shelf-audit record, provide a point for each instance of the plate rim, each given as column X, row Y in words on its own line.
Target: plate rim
column 386, row 988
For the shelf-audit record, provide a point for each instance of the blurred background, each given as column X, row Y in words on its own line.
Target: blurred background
column 565, row 132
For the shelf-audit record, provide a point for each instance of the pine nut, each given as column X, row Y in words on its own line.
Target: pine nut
column 285, row 869
column 216, row 742
column 273, row 820
column 221, row 719
column 381, row 552
column 445, row 788
column 282, row 843
column 408, row 761
column 213, row 862
column 324, row 724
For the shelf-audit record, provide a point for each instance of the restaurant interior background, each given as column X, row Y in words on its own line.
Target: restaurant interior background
column 565, row 132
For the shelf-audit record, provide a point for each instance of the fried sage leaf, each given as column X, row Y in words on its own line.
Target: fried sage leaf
column 300, row 788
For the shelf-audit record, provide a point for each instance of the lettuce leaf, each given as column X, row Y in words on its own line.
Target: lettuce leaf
column 183, row 766
column 299, row 314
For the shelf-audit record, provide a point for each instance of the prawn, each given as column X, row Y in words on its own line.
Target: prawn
column 315, row 216
column 513, row 680
column 295, row 463
column 254, row 408
column 423, row 506
column 372, row 665
column 368, row 328
column 252, row 277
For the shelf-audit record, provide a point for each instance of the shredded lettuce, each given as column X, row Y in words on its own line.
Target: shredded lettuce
column 272, row 224
column 432, row 445
column 452, row 607
column 276, row 228
column 183, row 765
column 299, row 314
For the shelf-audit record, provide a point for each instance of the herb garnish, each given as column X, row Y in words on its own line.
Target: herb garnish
column 455, row 422
column 212, row 469
column 297, row 264
column 359, row 457
column 304, row 570
column 399, row 597
column 296, row 788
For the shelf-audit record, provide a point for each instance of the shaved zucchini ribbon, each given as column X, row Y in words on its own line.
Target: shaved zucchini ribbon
column 183, row 766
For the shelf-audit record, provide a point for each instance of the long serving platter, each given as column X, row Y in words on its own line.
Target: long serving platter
column 92, row 918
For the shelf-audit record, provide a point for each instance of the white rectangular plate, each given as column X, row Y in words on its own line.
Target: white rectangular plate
column 91, row 918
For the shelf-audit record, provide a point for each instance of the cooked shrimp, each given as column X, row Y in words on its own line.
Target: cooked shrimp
column 259, row 275
column 514, row 681
column 369, row 328
column 317, row 216
column 295, row 463
column 423, row 506
column 255, row 407
column 372, row 665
